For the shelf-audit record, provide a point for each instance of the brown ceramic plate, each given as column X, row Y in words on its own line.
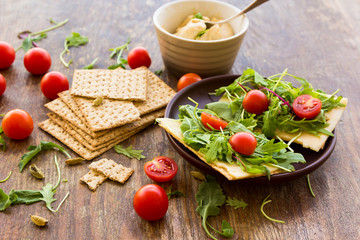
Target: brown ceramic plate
column 199, row 91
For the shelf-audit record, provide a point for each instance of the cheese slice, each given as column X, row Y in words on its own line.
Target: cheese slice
column 230, row 171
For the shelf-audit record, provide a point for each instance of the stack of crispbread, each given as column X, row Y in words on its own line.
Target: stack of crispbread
column 132, row 100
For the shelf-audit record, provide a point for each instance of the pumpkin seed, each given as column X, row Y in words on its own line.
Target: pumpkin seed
column 73, row 161
column 38, row 221
column 36, row 172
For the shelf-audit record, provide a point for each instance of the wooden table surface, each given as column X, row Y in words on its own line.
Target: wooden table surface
column 318, row 40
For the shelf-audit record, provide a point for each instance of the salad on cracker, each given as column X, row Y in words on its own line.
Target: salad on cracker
column 249, row 131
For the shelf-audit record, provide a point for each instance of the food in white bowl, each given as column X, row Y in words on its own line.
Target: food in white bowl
column 194, row 27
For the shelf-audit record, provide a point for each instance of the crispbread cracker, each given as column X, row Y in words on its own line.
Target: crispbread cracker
column 158, row 93
column 60, row 108
column 112, row 170
column 71, row 130
column 110, row 114
column 84, row 138
column 63, row 136
column 93, row 179
column 123, row 85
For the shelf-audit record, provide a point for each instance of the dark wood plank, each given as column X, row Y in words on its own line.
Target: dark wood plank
column 318, row 40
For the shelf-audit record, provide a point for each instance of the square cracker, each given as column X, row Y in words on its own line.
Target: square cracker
column 158, row 93
column 60, row 108
column 122, row 85
column 63, row 136
column 110, row 114
column 96, row 143
column 112, row 170
column 93, row 179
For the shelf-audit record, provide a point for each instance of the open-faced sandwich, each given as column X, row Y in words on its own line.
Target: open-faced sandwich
column 248, row 132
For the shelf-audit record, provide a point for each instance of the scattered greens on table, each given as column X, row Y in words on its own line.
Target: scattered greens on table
column 129, row 152
column 46, row 194
column 74, row 40
column 120, row 61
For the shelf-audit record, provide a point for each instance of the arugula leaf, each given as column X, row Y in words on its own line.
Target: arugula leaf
column 2, row 141
column 236, row 203
column 24, row 196
column 158, row 72
column 129, row 152
column 30, row 41
column 209, row 198
column 48, row 193
column 120, row 61
column 4, row 201
column 227, row 230
column 74, row 40
column 34, row 150
column 91, row 65
column 174, row 193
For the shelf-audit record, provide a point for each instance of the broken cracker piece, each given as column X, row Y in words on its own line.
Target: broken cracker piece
column 112, row 170
column 93, row 179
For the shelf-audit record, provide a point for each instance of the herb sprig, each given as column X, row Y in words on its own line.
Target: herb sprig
column 120, row 61
column 129, row 152
column 34, row 150
column 74, row 40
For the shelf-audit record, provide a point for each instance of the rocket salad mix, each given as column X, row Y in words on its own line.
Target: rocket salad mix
column 257, row 107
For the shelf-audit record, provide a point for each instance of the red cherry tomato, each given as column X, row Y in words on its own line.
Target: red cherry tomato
column 215, row 122
column 53, row 83
column 17, row 124
column 2, row 85
column 37, row 61
column 256, row 102
column 161, row 169
column 187, row 79
column 306, row 106
column 151, row 202
column 243, row 142
column 7, row 55
column 138, row 57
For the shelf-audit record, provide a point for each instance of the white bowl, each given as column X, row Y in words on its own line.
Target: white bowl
column 206, row 58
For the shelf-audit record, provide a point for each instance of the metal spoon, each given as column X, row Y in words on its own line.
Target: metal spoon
column 251, row 6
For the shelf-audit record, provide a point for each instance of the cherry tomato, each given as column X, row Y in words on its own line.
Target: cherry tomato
column 161, row 169
column 256, row 102
column 7, row 55
column 215, row 122
column 17, row 124
column 306, row 106
column 187, row 79
column 53, row 83
column 37, row 61
column 138, row 57
column 243, row 142
column 151, row 202
column 2, row 85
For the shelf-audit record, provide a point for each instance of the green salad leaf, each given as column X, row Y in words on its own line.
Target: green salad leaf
column 129, row 152
column 236, row 203
column 74, row 40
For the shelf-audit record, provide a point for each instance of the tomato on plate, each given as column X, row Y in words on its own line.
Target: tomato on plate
column 17, row 124
column 7, row 55
column 161, row 169
column 215, row 122
column 187, row 79
column 306, row 106
column 2, row 85
column 256, row 102
column 138, row 57
column 151, row 202
column 53, row 83
column 37, row 61
column 243, row 143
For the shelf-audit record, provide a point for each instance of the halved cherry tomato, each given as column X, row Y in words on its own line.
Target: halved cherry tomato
column 7, row 55
column 161, row 169
column 2, row 85
column 243, row 142
column 17, row 124
column 37, row 61
column 306, row 106
column 151, row 202
column 215, row 122
column 256, row 102
column 138, row 57
column 53, row 83
column 187, row 79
